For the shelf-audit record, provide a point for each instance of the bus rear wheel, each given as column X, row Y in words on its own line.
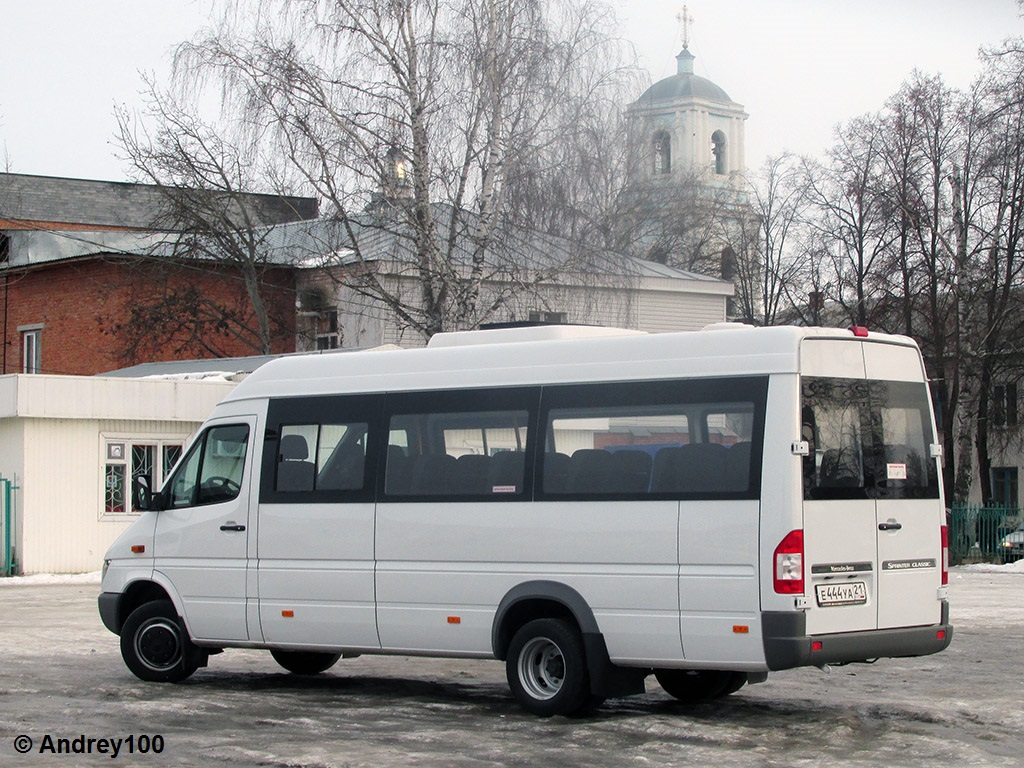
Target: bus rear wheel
column 694, row 685
column 305, row 662
column 547, row 669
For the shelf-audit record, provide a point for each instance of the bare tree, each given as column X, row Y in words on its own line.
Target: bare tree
column 854, row 223
column 780, row 201
column 423, row 120
column 212, row 218
column 923, row 130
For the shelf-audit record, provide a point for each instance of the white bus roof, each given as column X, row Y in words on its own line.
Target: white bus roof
column 510, row 359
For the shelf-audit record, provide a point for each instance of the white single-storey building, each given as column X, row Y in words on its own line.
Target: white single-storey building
column 69, row 447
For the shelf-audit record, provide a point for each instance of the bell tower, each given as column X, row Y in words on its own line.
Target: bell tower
column 687, row 196
column 686, row 126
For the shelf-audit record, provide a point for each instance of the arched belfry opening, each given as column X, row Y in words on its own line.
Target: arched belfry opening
column 718, row 148
column 662, row 151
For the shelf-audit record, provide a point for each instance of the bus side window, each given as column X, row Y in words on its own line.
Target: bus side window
column 457, row 454
column 634, row 450
column 321, row 457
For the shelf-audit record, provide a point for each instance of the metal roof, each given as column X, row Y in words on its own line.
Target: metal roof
column 236, row 367
column 81, row 203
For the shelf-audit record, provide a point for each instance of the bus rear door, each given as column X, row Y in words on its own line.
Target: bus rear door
column 872, row 512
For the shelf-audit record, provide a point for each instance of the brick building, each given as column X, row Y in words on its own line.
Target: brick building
column 84, row 266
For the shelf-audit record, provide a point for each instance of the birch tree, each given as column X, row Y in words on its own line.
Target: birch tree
column 422, row 119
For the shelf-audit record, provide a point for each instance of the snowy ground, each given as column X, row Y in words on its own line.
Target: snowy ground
column 62, row 677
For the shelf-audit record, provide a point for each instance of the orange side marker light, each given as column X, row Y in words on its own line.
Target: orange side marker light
column 288, row 614
column 454, row 619
column 740, row 629
column 138, row 549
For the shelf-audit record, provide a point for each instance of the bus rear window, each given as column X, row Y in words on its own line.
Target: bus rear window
column 868, row 439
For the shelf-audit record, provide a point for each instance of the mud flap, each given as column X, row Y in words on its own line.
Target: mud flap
column 606, row 679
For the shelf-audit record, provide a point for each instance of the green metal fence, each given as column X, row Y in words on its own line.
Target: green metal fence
column 977, row 533
column 7, row 565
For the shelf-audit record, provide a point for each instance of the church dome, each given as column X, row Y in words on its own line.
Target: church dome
column 685, row 85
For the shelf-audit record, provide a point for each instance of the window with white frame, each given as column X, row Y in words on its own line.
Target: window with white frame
column 126, row 458
column 327, row 336
column 31, row 348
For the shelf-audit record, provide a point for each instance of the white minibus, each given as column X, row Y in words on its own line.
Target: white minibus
column 590, row 506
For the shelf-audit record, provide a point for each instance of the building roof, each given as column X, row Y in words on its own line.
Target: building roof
column 685, row 84
column 214, row 369
column 325, row 243
column 225, row 368
column 48, row 202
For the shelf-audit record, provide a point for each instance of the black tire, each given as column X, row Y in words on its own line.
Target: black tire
column 546, row 669
column 155, row 645
column 691, row 686
column 305, row 662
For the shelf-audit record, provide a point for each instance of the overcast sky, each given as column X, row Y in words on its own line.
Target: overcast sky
column 799, row 67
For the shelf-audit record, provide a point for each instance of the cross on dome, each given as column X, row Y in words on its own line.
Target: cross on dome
column 685, row 19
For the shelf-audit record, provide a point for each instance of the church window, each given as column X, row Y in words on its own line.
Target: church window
column 729, row 265
column 662, row 153
column 718, row 147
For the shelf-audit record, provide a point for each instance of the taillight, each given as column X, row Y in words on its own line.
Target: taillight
column 945, row 555
column 789, row 564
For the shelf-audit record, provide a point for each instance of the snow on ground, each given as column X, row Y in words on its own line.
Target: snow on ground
column 1017, row 567
column 51, row 578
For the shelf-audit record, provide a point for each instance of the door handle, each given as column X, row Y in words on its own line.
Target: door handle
column 893, row 526
column 232, row 527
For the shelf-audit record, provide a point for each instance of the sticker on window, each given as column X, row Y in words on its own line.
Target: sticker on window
column 503, row 489
column 896, row 471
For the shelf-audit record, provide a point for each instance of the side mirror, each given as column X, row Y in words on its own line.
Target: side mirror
column 144, row 498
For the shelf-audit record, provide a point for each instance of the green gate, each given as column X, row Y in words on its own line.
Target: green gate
column 976, row 532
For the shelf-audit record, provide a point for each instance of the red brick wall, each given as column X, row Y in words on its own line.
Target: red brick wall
column 85, row 307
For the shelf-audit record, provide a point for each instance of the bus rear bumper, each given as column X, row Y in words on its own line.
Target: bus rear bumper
column 787, row 644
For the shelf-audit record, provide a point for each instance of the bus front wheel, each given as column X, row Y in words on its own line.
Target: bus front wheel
column 155, row 645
